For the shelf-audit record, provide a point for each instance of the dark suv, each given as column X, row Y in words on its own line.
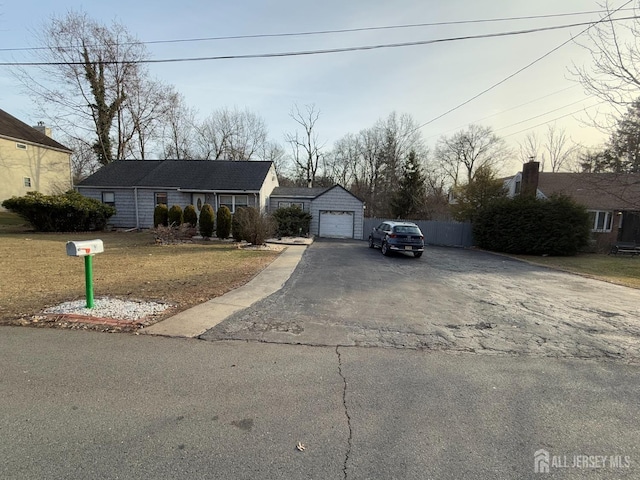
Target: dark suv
column 397, row 237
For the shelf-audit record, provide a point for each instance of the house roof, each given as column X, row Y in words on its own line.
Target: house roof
column 299, row 192
column 14, row 129
column 596, row 191
column 184, row 174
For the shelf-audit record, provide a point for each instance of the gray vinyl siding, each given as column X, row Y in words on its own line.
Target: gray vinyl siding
column 337, row 199
column 125, row 216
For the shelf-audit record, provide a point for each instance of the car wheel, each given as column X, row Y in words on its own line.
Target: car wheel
column 417, row 254
column 371, row 242
column 385, row 249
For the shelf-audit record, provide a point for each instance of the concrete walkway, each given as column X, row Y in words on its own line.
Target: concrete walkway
column 197, row 320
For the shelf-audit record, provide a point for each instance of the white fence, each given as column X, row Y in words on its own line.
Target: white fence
column 449, row 234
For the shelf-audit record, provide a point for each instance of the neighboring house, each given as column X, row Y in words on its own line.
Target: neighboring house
column 31, row 160
column 335, row 212
column 612, row 199
column 135, row 187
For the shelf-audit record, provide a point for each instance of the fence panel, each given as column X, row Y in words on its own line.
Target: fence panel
column 448, row 234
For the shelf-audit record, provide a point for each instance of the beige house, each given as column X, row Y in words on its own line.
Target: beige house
column 30, row 160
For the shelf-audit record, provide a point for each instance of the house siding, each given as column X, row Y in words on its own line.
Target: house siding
column 337, row 199
column 270, row 182
column 49, row 170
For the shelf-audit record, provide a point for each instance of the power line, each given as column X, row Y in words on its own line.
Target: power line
column 540, row 115
column 607, row 18
column 344, row 30
column 508, row 110
column 340, row 50
column 554, row 119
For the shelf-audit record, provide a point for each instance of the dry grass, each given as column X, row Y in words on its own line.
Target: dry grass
column 619, row 269
column 35, row 271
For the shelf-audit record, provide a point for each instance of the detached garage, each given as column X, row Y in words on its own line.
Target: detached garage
column 335, row 212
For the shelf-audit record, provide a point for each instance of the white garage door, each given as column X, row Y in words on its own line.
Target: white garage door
column 336, row 224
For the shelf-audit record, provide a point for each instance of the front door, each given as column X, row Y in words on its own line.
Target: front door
column 198, row 200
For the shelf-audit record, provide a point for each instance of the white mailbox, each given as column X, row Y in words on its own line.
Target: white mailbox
column 84, row 247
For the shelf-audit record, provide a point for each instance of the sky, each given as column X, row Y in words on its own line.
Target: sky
column 352, row 90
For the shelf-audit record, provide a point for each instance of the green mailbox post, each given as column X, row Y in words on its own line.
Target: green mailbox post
column 86, row 249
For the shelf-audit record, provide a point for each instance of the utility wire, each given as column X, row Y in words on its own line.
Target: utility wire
column 508, row 110
column 554, row 119
column 344, row 30
column 540, row 115
column 607, row 18
column 344, row 49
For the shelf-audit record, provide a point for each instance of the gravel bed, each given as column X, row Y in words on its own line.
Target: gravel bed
column 110, row 308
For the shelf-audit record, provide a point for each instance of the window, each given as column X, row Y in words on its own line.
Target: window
column 21, row 146
column 27, row 182
column 233, row 202
column 600, row 221
column 518, row 187
column 109, row 198
column 161, row 198
column 300, row 205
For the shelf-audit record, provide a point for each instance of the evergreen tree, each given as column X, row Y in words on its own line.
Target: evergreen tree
column 408, row 200
column 483, row 188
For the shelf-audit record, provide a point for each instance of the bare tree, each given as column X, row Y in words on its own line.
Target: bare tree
column 559, row 149
column 306, row 149
column 178, row 130
column 465, row 151
column 530, row 148
column 87, row 72
column 614, row 75
column 83, row 159
column 232, row 135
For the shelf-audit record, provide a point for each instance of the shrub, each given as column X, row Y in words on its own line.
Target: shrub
column 160, row 215
column 206, row 220
column 223, row 222
column 291, row 221
column 189, row 216
column 557, row 226
column 175, row 216
column 236, row 224
column 67, row 212
column 255, row 227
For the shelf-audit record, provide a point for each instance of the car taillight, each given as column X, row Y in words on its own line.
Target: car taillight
column 392, row 235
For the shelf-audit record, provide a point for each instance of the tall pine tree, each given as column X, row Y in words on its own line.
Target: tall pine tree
column 408, row 201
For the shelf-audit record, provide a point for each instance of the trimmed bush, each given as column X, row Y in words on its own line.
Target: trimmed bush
column 206, row 221
column 189, row 216
column 160, row 215
column 175, row 216
column 67, row 212
column 557, row 226
column 223, row 222
column 236, row 224
column 291, row 221
column 255, row 227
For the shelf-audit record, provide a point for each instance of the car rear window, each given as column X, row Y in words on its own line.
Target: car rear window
column 408, row 230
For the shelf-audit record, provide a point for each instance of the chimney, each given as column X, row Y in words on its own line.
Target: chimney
column 530, row 174
column 42, row 128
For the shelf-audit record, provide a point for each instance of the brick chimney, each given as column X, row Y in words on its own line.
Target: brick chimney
column 42, row 128
column 530, row 174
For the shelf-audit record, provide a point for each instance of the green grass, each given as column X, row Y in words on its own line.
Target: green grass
column 619, row 269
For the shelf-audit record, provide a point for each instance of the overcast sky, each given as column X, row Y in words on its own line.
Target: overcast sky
column 353, row 89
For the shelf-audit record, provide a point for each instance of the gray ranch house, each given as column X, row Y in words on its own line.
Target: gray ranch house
column 135, row 187
column 335, row 212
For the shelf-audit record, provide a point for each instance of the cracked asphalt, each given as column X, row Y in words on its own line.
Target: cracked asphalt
column 383, row 368
column 343, row 293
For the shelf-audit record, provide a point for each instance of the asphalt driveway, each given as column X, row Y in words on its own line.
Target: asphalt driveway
column 343, row 293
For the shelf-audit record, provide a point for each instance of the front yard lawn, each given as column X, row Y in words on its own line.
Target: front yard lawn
column 619, row 269
column 36, row 272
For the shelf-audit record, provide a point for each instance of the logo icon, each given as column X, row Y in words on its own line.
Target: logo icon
column 541, row 461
